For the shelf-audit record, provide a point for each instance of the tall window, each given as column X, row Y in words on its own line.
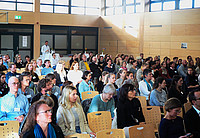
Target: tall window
column 163, row 5
column 117, row 7
column 17, row 5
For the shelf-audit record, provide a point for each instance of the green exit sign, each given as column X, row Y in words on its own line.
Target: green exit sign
column 17, row 17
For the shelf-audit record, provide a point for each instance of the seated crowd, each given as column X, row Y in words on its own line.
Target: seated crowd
column 46, row 97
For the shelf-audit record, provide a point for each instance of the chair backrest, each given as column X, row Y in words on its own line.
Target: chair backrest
column 111, row 133
column 152, row 115
column 78, row 136
column 100, row 120
column 89, row 94
column 142, row 100
column 187, row 106
column 9, row 129
column 142, row 131
column 41, row 77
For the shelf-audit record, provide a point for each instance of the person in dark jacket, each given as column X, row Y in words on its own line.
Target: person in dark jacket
column 176, row 89
column 95, row 69
column 192, row 117
column 129, row 110
column 38, row 123
column 191, row 80
column 3, row 85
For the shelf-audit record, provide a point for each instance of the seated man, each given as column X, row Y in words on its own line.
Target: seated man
column 54, row 61
column 146, row 85
column 5, row 62
column 12, row 72
column 47, row 69
column 44, row 88
column 84, row 64
column 24, row 89
column 192, row 117
column 39, row 63
column 104, row 101
column 191, row 80
column 55, row 89
column 13, row 106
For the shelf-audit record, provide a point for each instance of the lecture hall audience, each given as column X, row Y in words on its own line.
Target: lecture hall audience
column 146, row 77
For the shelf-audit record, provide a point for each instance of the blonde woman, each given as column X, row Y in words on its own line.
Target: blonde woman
column 70, row 115
column 35, row 69
column 75, row 74
column 61, row 71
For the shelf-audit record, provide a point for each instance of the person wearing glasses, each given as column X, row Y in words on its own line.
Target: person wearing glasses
column 171, row 126
column 44, row 88
column 13, row 106
column 192, row 116
column 38, row 123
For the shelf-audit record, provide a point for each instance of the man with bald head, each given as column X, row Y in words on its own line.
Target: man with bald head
column 13, row 106
column 182, row 70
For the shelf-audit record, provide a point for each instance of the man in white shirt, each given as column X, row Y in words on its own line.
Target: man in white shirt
column 54, row 61
column 45, row 49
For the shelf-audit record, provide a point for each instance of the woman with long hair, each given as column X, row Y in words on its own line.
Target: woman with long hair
column 3, row 85
column 129, row 110
column 38, row 122
column 176, row 89
column 60, row 72
column 74, row 74
column 110, row 79
column 158, row 96
column 35, row 68
column 121, row 76
column 29, row 68
column 109, row 67
column 2, row 67
column 70, row 115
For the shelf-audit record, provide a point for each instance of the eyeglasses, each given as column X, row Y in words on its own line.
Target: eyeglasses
column 15, row 83
column 47, row 111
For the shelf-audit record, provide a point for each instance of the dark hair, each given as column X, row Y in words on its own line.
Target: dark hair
column 46, row 61
column 31, row 117
column 11, row 64
column 2, row 73
column 175, row 58
column 172, row 103
column 145, row 72
column 128, row 73
column 53, row 54
column 27, row 56
column 46, row 41
column 26, row 73
column 171, row 63
column 158, row 81
column 130, row 60
column 50, row 76
column 85, row 73
column 66, row 83
column 124, row 92
column 192, row 96
column 175, row 79
column 21, row 77
column 42, row 84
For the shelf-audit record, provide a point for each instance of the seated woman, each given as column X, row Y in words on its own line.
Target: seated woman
column 99, row 86
column 176, row 91
column 129, row 110
column 121, row 76
column 158, row 96
column 163, row 72
column 29, row 68
column 70, row 115
column 3, row 85
column 2, row 67
column 171, row 126
column 60, row 73
column 86, row 84
column 35, row 68
column 74, row 73
column 109, row 67
column 38, row 122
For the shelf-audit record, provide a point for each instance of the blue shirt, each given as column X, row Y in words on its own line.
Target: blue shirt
column 9, row 74
column 56, row 91
column 83, row 87
column 11, row 106
column 46, row 71
column 98, row 104
column 6, row 64
column 29, row 93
